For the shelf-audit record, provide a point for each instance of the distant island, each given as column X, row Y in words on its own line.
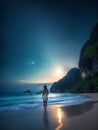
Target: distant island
column 84, row 79
column 28, row 92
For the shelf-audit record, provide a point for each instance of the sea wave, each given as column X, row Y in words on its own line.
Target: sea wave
column 17, row 102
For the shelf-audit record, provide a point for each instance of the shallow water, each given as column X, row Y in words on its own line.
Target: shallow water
column 25, row 101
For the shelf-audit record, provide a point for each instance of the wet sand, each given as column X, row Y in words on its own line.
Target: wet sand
column 75, row 117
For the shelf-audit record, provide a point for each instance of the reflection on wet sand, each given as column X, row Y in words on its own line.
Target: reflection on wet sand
column 59, row 114
column 45, row 118
column 79, row 109
column 74, row 110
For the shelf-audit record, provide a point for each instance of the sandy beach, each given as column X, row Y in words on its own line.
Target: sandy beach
column 75, row 117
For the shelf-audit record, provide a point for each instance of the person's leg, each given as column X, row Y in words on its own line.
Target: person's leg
column 44, row 104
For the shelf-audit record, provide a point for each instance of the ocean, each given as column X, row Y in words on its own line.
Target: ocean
column 17, row 101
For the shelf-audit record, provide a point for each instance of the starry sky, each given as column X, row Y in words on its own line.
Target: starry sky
column 41, row 39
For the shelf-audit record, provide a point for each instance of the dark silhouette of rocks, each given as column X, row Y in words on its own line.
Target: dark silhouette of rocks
column 27, row 91
column 67, row 82
column 39, row 92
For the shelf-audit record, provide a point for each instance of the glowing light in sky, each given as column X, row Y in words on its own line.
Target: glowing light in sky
column 55, row 74
column 59, row 71
column 45, row 47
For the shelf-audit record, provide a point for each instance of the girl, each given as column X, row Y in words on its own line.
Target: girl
column 45, row 96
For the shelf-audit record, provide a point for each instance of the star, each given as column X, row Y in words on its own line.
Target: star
column 32, row 62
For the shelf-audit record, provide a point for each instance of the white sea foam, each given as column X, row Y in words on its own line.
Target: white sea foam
column 23, row 101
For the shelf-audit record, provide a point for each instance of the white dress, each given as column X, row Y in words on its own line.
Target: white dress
column 45, row 97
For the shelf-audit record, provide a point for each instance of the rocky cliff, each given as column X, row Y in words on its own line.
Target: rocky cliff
column 67, row 82
column 89, row 64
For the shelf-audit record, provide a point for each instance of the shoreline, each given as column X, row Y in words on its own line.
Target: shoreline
column 66, row 101
column 74, row 117
column 94, row 96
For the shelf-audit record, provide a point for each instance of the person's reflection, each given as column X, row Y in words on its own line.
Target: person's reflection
column 45, row 118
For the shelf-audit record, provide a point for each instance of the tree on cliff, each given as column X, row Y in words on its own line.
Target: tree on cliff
column 92, row 53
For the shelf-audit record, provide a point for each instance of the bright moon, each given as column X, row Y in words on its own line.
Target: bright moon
column 59, row 71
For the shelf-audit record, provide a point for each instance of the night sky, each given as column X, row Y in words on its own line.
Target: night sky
column 41, row 39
